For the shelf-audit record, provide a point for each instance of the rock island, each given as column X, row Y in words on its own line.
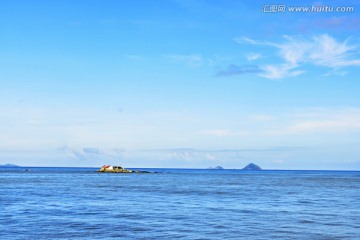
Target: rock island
column 118, row 169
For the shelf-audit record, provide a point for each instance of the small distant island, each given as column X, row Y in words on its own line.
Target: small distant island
column 9, row 166
column 216, row 168
column 249, row 167
column 118, row 169
column 252, row 167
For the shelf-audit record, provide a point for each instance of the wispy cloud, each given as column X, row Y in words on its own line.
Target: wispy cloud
column 279, row 71
column 326, row 51
column 245, row 40
column 193, row 60
column 93, row 153
column 253, row 56
column 321, row 50
column 326, row 121
column 238, row 70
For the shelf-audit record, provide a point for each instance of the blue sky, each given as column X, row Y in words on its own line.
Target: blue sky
column 179, row 83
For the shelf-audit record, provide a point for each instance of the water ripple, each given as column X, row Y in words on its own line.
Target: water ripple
column 79, row 204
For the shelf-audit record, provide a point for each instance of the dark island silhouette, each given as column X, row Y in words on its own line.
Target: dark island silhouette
column 8, row 165
column 252, row 167
column 249, row 167
column 216, row 168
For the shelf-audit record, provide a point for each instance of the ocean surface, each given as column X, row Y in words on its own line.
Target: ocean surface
column 79, row 203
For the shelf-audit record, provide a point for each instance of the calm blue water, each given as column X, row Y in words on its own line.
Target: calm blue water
column 78, row 203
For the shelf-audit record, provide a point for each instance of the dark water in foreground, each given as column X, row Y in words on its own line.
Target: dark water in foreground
column 78, row 203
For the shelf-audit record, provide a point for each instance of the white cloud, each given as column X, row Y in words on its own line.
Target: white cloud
column 321, row 50
column 253, row 56
column 245, row 40
column 293, row 51
column 185, row 155
column 279, row 71
column 93, row 153
column 323, row 125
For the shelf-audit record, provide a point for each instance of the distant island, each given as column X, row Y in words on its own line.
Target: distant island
column 252, row 167
column 118, row 169
column 216, row 168
column 8, row 166
column 249, row 167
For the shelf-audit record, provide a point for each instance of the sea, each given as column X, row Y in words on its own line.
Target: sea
column 80, row 203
